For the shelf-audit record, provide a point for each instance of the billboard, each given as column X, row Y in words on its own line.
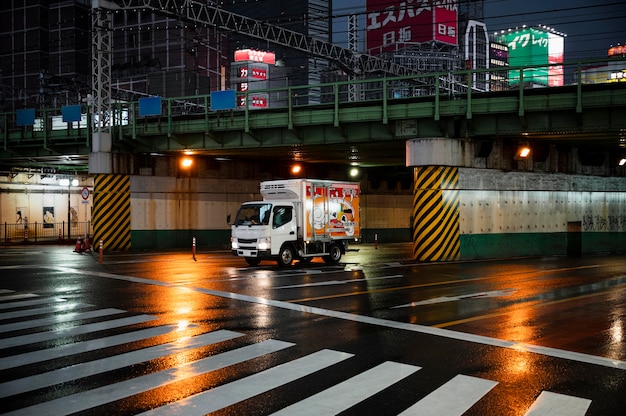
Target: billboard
column 535, row 46
column 249, row 73
column 392, row 23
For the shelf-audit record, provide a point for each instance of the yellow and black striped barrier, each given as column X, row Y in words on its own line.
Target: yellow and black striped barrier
column 111, row 211
column 436, row 235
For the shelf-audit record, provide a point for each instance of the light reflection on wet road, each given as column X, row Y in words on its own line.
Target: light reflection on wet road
column 535, row 327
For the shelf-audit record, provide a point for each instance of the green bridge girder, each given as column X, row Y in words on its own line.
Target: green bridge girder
column 590, row 114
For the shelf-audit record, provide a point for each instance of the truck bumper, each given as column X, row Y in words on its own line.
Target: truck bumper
column 244, row 252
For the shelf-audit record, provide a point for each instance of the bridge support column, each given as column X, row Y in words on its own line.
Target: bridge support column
column 435, row 219
column 101, row 159
column 111, row 211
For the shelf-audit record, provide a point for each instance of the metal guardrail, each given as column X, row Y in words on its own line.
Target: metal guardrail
column 36, row 232
column 455, row 85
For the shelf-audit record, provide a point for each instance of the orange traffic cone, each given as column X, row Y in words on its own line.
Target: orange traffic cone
column 87, row 246
column 79, row 246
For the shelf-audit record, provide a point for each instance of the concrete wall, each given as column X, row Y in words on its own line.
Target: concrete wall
column 169, row 212
column 505, row 214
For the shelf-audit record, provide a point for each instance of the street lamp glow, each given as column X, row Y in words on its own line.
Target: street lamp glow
column 64, row 182
column 186, row 162
column 622, row 162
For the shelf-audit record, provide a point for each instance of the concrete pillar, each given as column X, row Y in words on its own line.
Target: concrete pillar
column 101, row 159
column 435, row 227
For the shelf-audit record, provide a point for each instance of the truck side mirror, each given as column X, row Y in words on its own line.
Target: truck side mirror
column 228, row 219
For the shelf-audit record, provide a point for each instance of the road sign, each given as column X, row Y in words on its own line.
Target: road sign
column 84, row 193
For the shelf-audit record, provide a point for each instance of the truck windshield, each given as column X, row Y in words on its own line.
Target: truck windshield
column 252, row 214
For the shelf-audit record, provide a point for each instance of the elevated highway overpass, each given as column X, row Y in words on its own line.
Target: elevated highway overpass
column 568, row 196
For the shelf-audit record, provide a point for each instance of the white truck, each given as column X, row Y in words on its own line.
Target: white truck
column 297, row 219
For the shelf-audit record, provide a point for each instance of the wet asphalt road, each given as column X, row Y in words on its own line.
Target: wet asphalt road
column 378, row 334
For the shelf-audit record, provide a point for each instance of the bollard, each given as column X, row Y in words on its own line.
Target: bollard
column 376, row 241
column 193, row 250
column 59, row 233
column 100, row 258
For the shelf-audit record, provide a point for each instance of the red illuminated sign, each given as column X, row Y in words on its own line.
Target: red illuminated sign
column 391, row 23
column 256, row 56
column 256, row 100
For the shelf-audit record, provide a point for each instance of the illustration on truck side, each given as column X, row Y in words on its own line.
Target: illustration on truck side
column 298, row 219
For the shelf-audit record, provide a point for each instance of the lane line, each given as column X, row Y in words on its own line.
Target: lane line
column 86, row 369
column 350, row 392
column 554, row 404
column 441, row 332
column 432, row 284
column 33, row 302
column 239, row 390
column 6, row 298
column 453, row 398
column 338, row 282
column 52, row 320
column 67, row 350
column 75, row 330
column 507, row 312
column 41, row 311
column 106, row 394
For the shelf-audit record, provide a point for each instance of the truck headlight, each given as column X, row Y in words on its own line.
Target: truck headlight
column 264, row 243
column 233, row 243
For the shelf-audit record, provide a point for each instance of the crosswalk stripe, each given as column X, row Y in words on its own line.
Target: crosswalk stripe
column 106, row 394
column 239, row 390
column 3, row 291
column 75, row 330
column 31, row 302
column 128, row 359
column 553, row 404
column 16, row 297
column 453, row 398
column 45, row 310
column 350, row 392
column 57, row 319
column 81, row 347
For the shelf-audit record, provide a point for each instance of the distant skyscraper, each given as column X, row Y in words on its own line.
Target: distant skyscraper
column 309, row 17
column 45, row 55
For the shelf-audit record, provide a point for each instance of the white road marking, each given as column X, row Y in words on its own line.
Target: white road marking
column 350, row 392
column 553, row 404
column 441, row 332
column 75, row 330
column 102, row 395
column 453, row 398
column 41, row 311
column 239, row 390
column 80, row 347
column 57, row 319
column 78, row 371
column 32, row 302
column 443, row 299
column 5, row 298
column 338, row 282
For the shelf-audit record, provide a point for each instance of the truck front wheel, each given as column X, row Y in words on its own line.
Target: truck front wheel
column 285, row 256
column 334, row 254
